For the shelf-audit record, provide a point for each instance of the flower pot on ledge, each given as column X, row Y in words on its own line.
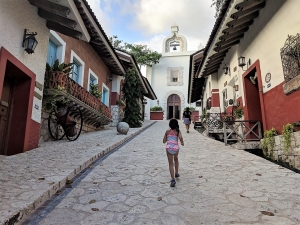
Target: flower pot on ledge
column 156, row 115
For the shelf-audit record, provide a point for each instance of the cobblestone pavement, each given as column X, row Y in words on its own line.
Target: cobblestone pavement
column 217, row 185
column 27, row 180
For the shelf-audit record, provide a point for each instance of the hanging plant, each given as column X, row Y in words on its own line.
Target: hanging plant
column 238, row 113
column 287, row 131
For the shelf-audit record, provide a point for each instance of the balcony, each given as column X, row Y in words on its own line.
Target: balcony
column 61, row 87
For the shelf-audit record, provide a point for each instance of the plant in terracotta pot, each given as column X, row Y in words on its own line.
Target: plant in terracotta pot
column 61, row 70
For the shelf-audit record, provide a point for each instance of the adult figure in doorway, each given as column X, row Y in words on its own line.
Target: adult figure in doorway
column 187, row 118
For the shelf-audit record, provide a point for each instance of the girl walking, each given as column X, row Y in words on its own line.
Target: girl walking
column 171, row 138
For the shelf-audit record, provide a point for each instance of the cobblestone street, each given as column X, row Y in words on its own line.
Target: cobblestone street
column 217, row 185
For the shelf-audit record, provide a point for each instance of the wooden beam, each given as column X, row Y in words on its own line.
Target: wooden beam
column 237, row 28
column 212, row 66
column 222, row 43
column 64, row 30
column 226, row 46
column 217, row 55
column 242, row 20
column 248, row 3
column 254, row 8
column 56, row 18
column 210, row 72
column 51, row 7
column 214, row 61
column 216, row 66
column 229, row 36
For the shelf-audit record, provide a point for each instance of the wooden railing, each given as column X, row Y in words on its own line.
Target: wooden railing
column 245, row 130
column 60, row 81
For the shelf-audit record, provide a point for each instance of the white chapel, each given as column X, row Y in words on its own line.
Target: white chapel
column 169, row 78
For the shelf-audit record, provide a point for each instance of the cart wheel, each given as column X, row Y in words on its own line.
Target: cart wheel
column 73, row 123
column 55, row 128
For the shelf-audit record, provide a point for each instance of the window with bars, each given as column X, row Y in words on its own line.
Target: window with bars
column 290, row 57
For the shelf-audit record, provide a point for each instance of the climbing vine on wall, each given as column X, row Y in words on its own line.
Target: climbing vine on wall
column 132, row 95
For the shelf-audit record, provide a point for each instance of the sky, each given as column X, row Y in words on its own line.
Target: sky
column 149, row 22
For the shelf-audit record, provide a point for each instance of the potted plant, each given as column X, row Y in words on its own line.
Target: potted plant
column 156, row 109
column 94, row 91
column 156, row 113
column 238, row 113
column 228, row 119
column 63, row 70
column 296, row 126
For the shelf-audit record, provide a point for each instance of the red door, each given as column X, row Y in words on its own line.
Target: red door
column 5, row 104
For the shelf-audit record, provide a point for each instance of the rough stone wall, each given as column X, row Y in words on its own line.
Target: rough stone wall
column 290, row 157
column 117, row 115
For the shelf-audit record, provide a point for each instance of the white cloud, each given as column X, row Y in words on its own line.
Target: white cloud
column 100, row 14
column 154, row 43
column 154, row 18
column 194, row 18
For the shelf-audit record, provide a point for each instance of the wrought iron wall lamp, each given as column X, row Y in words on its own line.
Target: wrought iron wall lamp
column 226, row 69
column 242, row 62
column 29, row 42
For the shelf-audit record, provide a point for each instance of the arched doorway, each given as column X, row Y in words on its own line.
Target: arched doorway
column 173, row 106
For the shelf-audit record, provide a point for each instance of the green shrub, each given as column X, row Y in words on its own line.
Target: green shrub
column 269, row 141
column 66, row 68
column 296, row 124
column 156, row 108
column 287, row 131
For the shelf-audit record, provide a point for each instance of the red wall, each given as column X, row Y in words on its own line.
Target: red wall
column 114, row 97
column 281, row 109
column 215, row 98
column 23, row 132
column 277, row 109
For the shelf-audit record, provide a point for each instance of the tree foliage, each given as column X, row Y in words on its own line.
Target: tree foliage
column 143, row 55
column 218, row 6
column 132, row 95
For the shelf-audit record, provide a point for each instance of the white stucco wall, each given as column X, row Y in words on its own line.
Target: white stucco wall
column 157, row 76
column 15, row 16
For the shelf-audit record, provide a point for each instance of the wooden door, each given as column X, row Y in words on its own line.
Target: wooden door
column 5, row 104
column 174, row 106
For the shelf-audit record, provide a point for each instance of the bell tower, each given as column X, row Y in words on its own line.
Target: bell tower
column 175, row 42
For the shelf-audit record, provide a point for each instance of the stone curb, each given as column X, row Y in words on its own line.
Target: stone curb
column 19, row 216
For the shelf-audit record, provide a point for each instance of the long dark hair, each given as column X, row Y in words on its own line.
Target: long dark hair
column 173, row 124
